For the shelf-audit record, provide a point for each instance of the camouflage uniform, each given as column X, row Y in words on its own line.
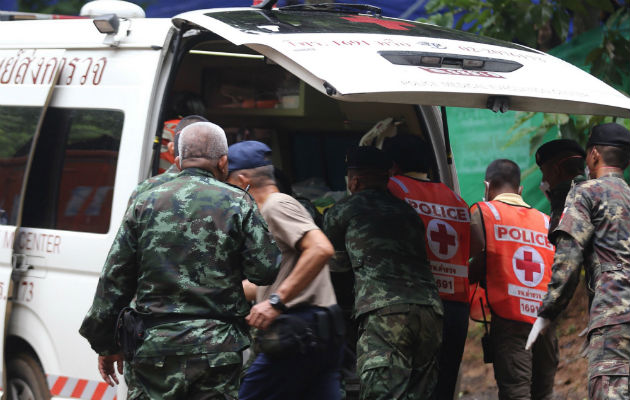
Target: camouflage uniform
column 154, row 181
column 557, row 199
column 182, row 250
column 396, row 300
column 595, row 231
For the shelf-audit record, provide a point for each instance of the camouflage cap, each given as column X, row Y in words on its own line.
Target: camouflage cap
column 549, row 150
column 610, row 134
column 367, row 157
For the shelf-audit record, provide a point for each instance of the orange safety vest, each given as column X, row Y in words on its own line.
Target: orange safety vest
column 446, row 220
column 518, row 260
column 168, row 135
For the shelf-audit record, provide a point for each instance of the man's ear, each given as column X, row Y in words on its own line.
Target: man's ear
column 595, row 155
column 243, row 181
column 178, row 162
column 222, row 165
column 171, row 148
column 520, row 190
column 353, row 183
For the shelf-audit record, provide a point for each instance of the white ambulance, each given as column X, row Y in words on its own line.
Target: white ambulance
column 83, row 103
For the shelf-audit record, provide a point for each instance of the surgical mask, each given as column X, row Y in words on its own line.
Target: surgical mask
column 546, row 189
column 587, row 172
column 485, row 193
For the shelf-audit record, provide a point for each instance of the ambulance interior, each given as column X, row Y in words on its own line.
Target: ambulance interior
column 256, row 99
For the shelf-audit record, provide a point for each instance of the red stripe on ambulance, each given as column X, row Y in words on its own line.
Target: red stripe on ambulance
column 74, row 388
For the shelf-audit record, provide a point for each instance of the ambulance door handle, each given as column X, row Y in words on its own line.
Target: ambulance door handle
column 18, row 262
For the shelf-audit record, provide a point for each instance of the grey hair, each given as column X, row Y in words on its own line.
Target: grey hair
column 202, row 140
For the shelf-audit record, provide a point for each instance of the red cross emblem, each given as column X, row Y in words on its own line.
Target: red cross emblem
column 442, row 237
column 529, row 266
column 394, row 25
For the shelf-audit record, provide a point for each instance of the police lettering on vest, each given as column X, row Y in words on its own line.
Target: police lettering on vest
column 447, row 222
column 518, row 259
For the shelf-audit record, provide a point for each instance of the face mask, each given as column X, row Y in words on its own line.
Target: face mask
column 485, row 193
column 587, row 172
column 545, row 188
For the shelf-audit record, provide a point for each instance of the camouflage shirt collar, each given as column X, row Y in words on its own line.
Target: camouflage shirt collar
column 194, row 171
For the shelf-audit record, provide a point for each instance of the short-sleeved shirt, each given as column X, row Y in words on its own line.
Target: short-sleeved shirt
column 288, row 222
column 381, row 238
column 597, row 216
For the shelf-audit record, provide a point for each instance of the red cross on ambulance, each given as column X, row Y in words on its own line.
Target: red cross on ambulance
column 442, row 239
column 528, row 266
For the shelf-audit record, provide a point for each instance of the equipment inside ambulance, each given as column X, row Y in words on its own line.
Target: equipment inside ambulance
column 83, row 103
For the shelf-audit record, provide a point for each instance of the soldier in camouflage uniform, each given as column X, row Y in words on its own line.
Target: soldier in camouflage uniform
column 397, row 304
column 561, row 163
column 595, row 231
column 182, row 251
column 173, row 170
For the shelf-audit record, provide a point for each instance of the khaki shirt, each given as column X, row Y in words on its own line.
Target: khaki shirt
column 288, row 222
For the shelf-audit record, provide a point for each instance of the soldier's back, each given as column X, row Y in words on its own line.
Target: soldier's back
column 384, row 240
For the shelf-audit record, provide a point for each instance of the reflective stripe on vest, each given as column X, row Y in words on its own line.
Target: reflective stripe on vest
column 168, row 135
column 447, row 224
column 518, row 259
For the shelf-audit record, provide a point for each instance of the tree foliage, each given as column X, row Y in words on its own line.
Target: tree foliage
column 64, row 7
column 543, row 25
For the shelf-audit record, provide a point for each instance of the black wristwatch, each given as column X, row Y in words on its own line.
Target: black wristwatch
column 276, row 303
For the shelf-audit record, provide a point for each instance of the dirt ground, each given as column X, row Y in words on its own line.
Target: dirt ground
column 477, row 379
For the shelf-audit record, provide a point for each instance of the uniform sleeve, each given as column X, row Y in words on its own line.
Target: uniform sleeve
column 260, row 255
column 576, row 218
column 335, row 229
column 289, row 221
column 477, row 267
column 565, row 275
column 115, row 290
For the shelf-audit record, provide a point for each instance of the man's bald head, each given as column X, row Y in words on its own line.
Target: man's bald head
column 202, row 140
column 204, row 145
column 184, row 122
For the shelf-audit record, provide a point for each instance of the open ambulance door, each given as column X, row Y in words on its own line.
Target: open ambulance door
column 359, row 57
column 27, row 79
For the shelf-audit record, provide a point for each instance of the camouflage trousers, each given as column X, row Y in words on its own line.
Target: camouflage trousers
column 198, row 377
column 609, row 362
column 397, row 352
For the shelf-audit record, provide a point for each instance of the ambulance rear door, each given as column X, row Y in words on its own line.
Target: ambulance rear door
column 27, row 79
column 361, row 56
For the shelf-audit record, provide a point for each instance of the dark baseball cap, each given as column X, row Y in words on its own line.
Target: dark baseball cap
column 549, row 150
column 610, row 134
column 367, row 157
column 247, row 155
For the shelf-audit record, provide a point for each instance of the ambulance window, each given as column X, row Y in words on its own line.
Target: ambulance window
column 72, row 181
column 17, row 128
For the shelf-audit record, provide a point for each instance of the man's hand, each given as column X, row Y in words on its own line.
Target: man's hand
column 539, row 327
column 106, row 368
column 262, row 315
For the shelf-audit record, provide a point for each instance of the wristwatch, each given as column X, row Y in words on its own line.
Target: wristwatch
column 276, row 303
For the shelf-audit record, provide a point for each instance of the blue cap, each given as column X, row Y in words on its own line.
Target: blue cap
column 247, row 155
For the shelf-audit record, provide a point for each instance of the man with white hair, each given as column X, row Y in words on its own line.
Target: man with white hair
column 182, row 251
column 173, row 149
